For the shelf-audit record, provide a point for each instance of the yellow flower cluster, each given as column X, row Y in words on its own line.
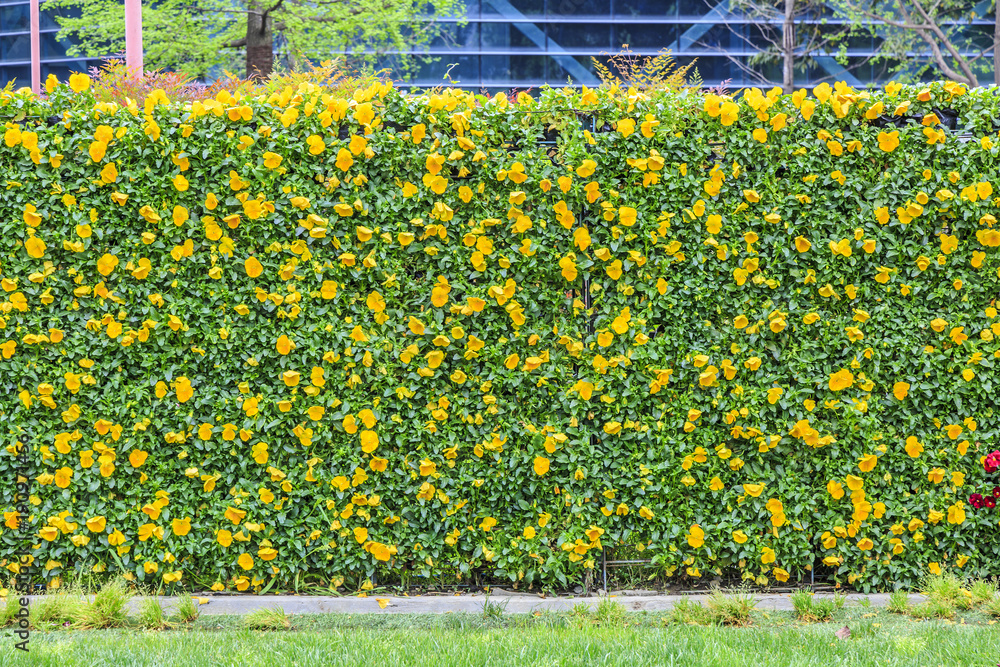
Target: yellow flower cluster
column 253, row 339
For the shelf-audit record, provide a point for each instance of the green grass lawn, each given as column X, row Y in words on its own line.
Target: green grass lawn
column 611, row 638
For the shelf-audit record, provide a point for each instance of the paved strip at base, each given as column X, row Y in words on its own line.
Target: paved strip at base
column 473, row 603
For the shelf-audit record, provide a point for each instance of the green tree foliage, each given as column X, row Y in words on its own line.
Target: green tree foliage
column 193, row 36
column 786, row 36
column 922, row 39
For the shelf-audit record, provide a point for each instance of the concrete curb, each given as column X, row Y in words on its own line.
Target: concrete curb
column 472, row 603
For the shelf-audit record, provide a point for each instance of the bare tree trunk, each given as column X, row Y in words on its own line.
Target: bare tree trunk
column 996, row 43
column 260, row 41
column 788, row 48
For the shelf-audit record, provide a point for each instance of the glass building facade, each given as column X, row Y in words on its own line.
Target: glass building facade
column 503, row 44
column 15, row 46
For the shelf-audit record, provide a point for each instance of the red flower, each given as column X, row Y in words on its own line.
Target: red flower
column 976, row 500
column 996, row 491
column 990, row 502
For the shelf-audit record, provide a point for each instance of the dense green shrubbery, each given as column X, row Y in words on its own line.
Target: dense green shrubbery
column 260, row 341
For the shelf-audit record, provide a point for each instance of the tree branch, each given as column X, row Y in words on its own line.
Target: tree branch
column 963, row 65
column 905, row 24
column 275, row 7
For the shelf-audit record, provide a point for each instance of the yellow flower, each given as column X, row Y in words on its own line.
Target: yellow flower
column 888, row 141
column 729, row 113
column 369, row 441
column 63, row 477
column 753, row 489
column 106, row 264
column 35, row 247
column 375, row 302
column 436, row 357
column 541, row 465
column 344, row 159
column 841, row 380
column 181, row 527
column 586, row 168
column 316, row 144
column 109, row 174
column 252, row 208
column 137, row 457
column 245, row 561
column 867, row 463
column 97, row 150
column 865, row 544
column 350, row 424
column 148, row 530
column 627, row 215
column 380, row 551
column 900, row 390
column 364, row 113
column 235, row 515
column 696, row 536
column 79, row 82
column 184, row 389
column 367, row 418
column 271, row 160
column 956, row 513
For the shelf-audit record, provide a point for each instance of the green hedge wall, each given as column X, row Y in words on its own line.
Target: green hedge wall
column 253, row 343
